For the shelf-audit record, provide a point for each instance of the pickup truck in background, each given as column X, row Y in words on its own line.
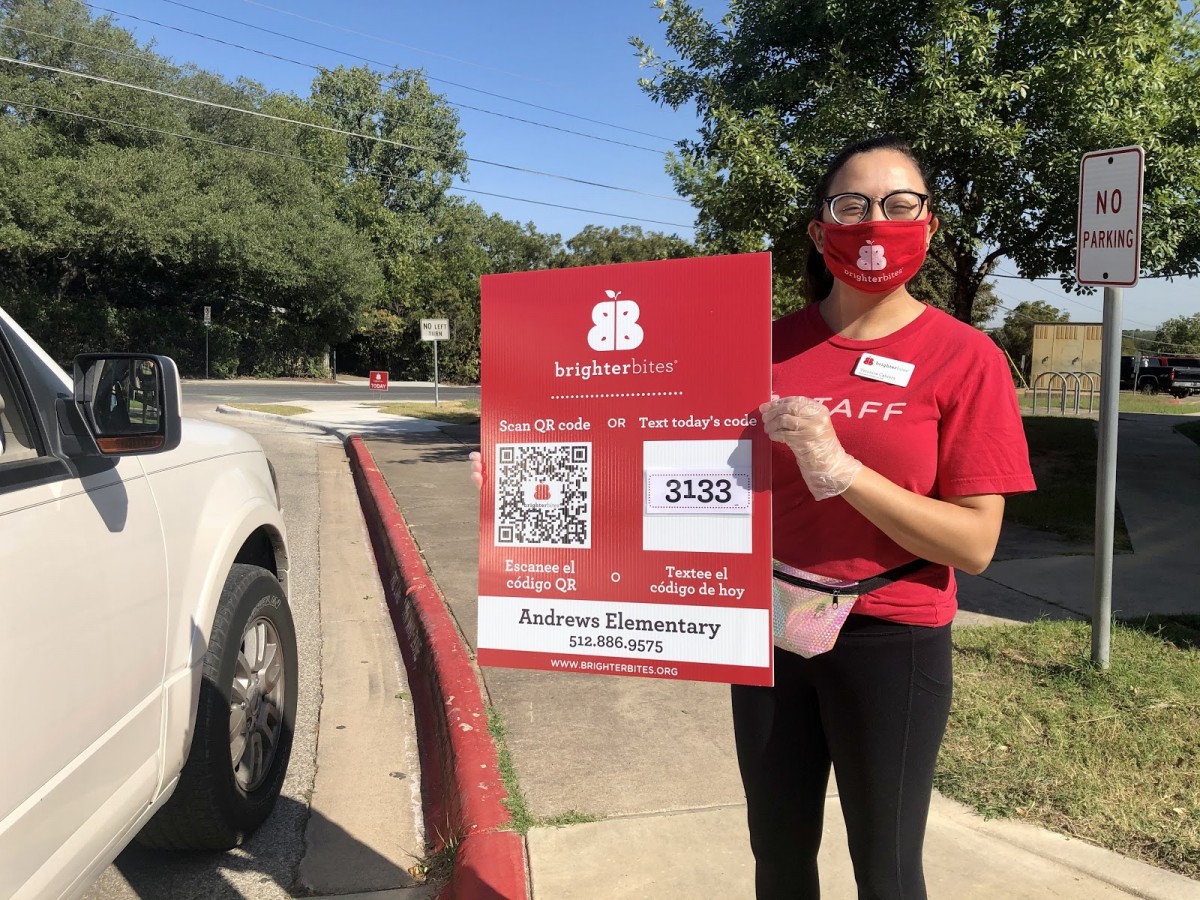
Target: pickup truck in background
column 1177, row 376
column 148, row 666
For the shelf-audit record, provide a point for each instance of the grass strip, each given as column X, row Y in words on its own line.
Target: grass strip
column 1039, row 733
column 456, row 412
column 276, row 409
column 1062, row 452
column 518, row 806
column 1129, row 402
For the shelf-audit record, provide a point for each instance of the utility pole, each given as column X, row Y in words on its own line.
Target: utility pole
column 207, row 326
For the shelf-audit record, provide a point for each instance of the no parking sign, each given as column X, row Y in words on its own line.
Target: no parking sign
column 1108, row 248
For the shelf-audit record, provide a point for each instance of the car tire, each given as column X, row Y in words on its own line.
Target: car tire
column 1149, row 387
column 243, row 737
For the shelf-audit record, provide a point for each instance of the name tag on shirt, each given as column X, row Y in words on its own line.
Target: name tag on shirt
column 880, row 368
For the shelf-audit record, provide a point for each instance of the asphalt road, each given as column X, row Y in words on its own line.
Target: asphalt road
column 264, row 868
column 249, row 391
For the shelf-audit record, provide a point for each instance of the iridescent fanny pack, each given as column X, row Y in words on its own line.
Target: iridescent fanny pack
column 809, row 610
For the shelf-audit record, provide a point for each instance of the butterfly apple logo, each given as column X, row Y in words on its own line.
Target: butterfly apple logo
column 615, row 324
column 871, row 258
column 542, row 493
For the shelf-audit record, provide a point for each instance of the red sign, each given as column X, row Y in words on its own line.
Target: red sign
column 625, row 520
column 379, row 381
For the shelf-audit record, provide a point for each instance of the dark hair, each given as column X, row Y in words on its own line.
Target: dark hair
column 818, row 281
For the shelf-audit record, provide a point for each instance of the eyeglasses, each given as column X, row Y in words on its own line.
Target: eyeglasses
column 898, row 206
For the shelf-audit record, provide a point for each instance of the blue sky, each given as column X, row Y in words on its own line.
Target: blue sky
column 571, row 56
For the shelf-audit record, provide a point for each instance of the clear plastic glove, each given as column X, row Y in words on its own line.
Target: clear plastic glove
column 804, row 425
column 476, row 468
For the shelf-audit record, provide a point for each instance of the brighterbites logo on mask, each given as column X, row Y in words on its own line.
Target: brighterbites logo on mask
column 871, row 257
column 614, row 327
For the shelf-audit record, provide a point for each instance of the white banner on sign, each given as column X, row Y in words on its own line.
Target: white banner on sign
column 654, row 631
column 1108, row 246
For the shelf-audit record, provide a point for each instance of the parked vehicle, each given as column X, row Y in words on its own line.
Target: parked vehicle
column 1154, row 376
column 1185, row 362
column 148, row 670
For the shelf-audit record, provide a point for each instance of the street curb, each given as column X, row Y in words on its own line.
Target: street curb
column 460, row 774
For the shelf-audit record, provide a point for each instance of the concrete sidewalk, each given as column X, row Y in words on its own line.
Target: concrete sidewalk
column 653, row 761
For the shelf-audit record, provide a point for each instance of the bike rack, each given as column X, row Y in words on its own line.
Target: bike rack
column 1049, row 378
column 1093, row 388
column 1072, row 381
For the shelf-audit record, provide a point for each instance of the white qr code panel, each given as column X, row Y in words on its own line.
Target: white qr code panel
column 543, row 495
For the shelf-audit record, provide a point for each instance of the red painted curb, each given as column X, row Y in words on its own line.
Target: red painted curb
column 487, row 866
column 460, row 771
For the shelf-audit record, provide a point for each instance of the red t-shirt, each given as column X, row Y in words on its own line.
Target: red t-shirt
column 954, row 430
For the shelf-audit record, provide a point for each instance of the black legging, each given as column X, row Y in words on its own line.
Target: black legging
column 876, row 706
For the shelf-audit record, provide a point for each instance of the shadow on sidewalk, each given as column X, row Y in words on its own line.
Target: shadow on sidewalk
column 434, row 444
column 158, row 873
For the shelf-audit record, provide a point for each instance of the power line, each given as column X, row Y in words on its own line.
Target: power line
column 332, row 130
column 54, row 37
column 1157, row 343
column 1051, row 278
column 1018, row 277
column 315, row 162
column 465, row 87
column 1124, row 336
column 1067, row 297
column 571, row 208
column 1059, row 297
column 319, row 68
column 384, row 40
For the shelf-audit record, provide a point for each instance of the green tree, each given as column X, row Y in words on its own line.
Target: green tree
column 116, row 233
column 1016, row 334
column 1178, row 336
column 999, row 98
column 391, row 186
column 597, row 245
column 1134, row 340
column 467, row 243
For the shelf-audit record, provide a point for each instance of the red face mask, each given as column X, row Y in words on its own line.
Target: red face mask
column 875, row 257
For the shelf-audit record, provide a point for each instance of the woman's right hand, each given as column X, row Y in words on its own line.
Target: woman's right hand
column 804, row 425
column 476, row 468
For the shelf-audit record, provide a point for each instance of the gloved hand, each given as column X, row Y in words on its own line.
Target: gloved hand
column 804, row 425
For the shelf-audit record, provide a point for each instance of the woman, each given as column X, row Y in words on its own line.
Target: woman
column 898, row 436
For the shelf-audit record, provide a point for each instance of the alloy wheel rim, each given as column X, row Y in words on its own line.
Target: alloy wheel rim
column 256, row 704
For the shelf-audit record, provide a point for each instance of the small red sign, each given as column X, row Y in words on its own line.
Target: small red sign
column 379, row 381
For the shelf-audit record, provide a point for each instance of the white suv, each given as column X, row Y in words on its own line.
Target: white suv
column 148, row 671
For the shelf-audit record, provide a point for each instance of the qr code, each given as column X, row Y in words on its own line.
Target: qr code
column 544, row 495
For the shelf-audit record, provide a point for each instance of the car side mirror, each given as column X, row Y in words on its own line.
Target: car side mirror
column 129, row 402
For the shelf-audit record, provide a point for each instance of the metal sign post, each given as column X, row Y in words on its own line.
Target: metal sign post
column 207, row 326
column 1108, row 244
column 435, row 330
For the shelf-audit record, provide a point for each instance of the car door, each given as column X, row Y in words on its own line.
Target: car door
column 83, row 617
